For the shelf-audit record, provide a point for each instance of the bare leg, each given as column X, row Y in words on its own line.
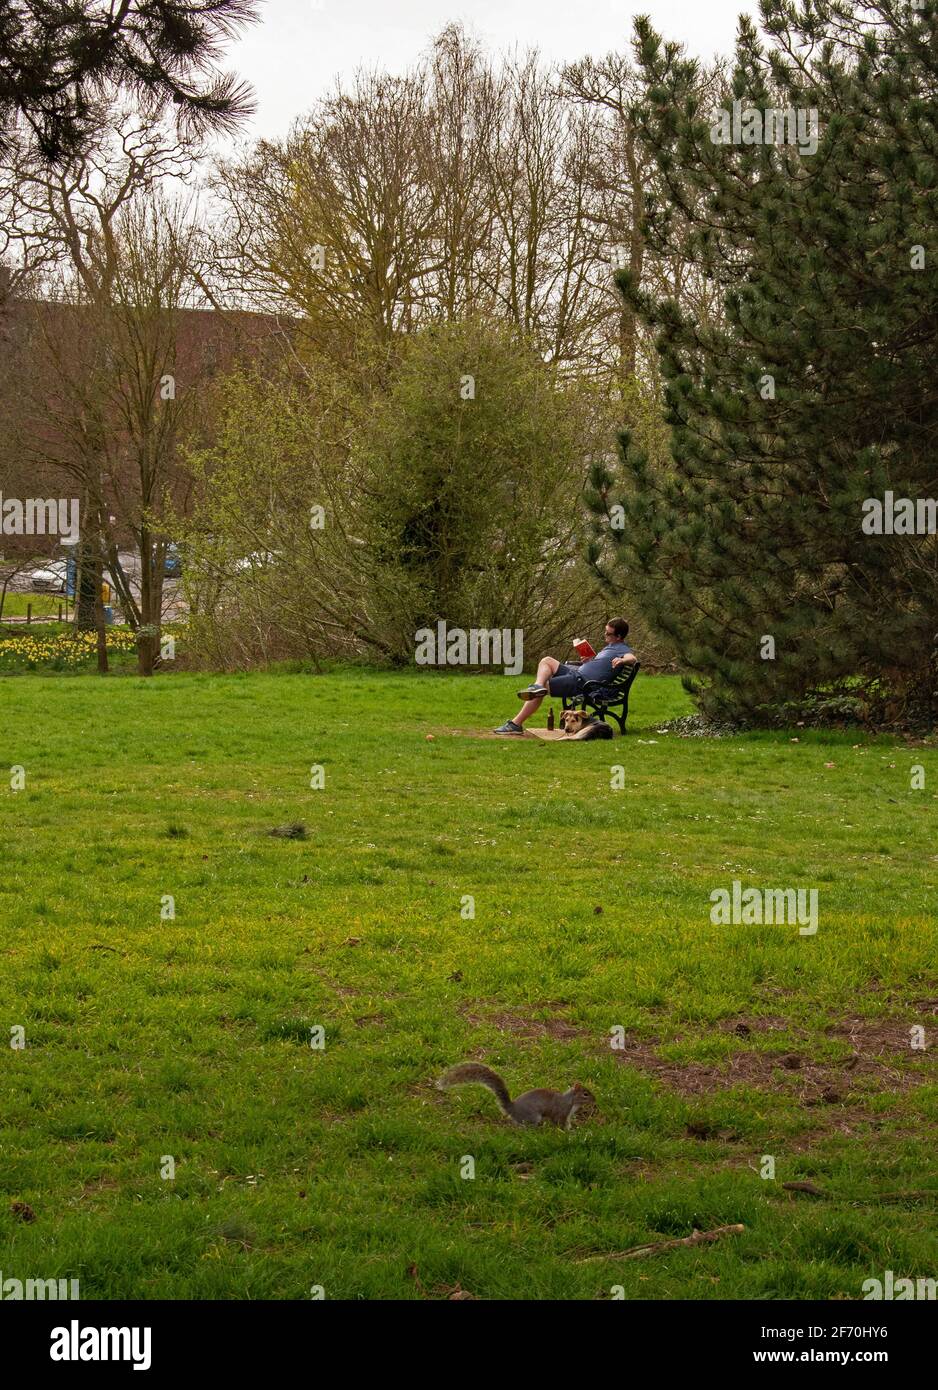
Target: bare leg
column 527, row 709
column 546, row 667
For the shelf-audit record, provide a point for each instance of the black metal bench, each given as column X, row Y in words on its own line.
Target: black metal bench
column 606, row 697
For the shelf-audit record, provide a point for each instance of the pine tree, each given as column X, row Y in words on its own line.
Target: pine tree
column 816, row 387
column 59, row 58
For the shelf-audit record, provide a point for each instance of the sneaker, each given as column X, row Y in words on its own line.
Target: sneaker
column 509, row 727
column 532, row 692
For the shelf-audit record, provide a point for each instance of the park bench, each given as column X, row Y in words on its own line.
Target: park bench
column 607, row 697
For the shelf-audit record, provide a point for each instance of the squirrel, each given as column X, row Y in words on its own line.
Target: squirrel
column 559, row 1107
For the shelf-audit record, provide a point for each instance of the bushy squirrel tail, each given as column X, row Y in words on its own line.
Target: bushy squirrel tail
column 476, row 1074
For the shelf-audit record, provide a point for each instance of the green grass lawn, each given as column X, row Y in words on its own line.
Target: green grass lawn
column 341, row 1167
column 42, row 605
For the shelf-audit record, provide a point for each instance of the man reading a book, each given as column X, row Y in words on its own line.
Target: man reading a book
column 554, row 678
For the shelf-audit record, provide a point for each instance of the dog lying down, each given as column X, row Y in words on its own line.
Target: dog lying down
column 576, row 723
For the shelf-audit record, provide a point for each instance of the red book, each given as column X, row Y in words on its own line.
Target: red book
column 583, row 647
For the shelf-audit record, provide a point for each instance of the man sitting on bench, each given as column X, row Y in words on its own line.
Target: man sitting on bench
column 554, row 678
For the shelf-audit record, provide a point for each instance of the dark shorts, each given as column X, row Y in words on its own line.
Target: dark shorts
column 566, row 682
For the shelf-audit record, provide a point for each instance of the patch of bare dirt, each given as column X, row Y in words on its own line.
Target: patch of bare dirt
column 881, row 1058
column 528, row 736
column 523, row 1025
column 742, row 1027
column 847, row 1120
column 873, row 1035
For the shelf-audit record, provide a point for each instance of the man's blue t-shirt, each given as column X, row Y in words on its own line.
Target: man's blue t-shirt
column 599, row 667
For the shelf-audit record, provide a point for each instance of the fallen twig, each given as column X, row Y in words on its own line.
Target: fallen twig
column 695, row 1238
column 901, row 1197
column 864, row 1201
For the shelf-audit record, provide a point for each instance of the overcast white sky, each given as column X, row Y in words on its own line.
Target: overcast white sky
column 294, row 54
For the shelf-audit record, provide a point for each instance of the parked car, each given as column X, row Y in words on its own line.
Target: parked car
column 50, row 579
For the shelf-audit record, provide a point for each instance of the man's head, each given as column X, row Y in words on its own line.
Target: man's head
column 617, row 629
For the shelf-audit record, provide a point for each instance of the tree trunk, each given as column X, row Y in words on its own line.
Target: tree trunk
column 88, row 583
column 628, row 322
column 146, row 653
column 99, row 624
column 151, row 604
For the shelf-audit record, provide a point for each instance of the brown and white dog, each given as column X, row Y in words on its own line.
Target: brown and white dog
column 576, row 723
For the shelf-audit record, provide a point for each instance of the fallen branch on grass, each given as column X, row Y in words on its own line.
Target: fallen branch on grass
column 695, row 1238
column 864, row 1201
column 901, row 1197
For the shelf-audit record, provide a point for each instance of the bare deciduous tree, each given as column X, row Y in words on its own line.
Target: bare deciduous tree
column 102, row 397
